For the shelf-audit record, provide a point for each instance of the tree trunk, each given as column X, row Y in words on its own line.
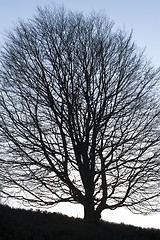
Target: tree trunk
column 90, row 214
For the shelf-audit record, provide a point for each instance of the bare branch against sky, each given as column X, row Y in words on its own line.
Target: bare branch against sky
column 79, row 115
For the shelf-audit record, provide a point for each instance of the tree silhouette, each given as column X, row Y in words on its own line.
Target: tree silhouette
column 79, row 115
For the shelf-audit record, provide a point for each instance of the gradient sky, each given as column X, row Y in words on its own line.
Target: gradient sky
column 141, row 16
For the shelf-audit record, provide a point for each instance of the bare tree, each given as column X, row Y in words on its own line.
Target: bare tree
column 79, row 115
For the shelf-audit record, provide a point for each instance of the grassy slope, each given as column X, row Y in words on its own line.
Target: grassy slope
column 16, row 224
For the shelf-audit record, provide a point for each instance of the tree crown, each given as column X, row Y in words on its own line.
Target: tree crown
column 79, row 115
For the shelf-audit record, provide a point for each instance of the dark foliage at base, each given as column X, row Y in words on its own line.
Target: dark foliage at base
column 16, row 224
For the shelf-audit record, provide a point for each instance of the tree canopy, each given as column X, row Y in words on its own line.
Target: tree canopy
column 79, row 115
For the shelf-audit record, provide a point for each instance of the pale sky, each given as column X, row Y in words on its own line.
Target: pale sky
column 143, row 16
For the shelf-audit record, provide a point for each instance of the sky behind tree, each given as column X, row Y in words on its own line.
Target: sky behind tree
column 141, row 16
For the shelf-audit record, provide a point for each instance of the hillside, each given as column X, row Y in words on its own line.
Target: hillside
column 16, row 224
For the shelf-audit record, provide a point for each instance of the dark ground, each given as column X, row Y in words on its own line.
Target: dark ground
column 16, row 224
